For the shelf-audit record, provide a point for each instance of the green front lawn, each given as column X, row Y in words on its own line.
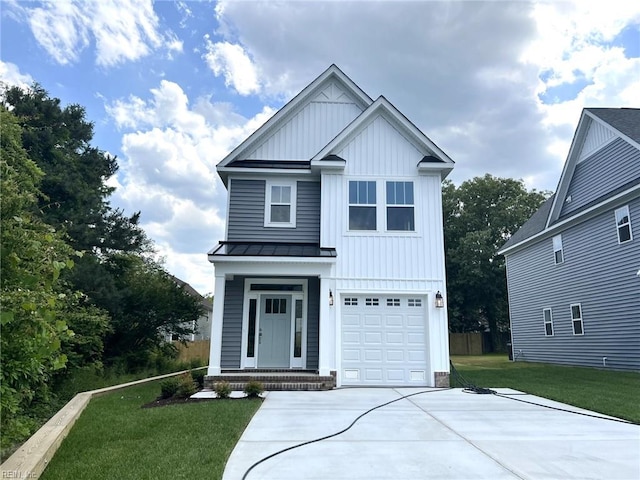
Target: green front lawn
column 605, row 391
column 115, row 438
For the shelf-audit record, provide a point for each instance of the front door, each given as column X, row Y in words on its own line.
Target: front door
column 274, row 334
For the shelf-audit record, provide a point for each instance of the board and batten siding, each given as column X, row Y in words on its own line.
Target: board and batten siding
column 400, row 260
column 309, row 130
column 232, row 322
column 247, row 210
column 607, row 169
column 600, row 274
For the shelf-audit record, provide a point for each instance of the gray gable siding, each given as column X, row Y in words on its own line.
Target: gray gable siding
column 598, row 273
column 232, row 322
column 246, row 213
column 606, row 170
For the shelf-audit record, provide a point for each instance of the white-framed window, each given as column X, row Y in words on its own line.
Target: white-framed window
column 547, row 315
column 576, row 319
column 372, row 302
column 623, row 224
column 351, row 301
column 362, row 205
column 558, row 252
column 393, row 302
column 400, row 207
column 414, row 302
column 280, row 204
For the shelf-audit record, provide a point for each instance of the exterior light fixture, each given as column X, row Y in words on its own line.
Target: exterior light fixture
column 330, row 298
column 439, row 300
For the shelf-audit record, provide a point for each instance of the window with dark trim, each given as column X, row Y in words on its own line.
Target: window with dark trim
column 623, row 224
column 558, row 252
column 548, row 322
column 362, row 205
column 576, row 318
column 400, row 207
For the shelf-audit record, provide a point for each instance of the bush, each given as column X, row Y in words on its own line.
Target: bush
column 186, row 386
column 198, row 377
column 169, row 387
column 223, row 389
column 253, row 388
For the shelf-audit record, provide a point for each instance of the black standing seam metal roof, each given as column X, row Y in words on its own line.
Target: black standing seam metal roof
column 258, row 249
column 281, row 164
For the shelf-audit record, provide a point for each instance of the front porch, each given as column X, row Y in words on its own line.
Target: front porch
column 274, row 379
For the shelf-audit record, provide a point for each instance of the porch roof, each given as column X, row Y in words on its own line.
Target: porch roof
column 270, row 249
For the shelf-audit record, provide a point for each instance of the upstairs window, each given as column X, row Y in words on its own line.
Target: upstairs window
column 362, row 205
column 280, row 204
column 400, row 207
column 557, row 249
column 623, row 223
column 576, row 318
column 548, row 322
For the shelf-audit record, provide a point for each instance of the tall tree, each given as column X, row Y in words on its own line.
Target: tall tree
column 74, row 190
column 479, row 216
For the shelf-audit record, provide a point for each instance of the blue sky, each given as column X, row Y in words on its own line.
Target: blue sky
column 173, row 86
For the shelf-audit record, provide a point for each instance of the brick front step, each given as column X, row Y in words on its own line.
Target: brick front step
column 272, row 381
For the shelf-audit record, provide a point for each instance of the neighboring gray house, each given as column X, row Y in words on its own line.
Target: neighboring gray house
column 573, row 270
column 333, row 259
column 202, row 326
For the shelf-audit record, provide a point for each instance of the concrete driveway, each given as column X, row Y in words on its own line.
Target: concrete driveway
column 444, row 434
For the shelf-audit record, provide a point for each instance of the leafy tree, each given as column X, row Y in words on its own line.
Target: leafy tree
column 479, row 216
column 33, row 255
column 145, row 303
column 75, row 193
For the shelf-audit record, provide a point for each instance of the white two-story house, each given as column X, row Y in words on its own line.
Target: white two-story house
column 333, row 259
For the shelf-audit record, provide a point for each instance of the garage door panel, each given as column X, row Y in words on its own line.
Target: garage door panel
column 395, row 355
column 351, row 338
column 384, row 342
column 372, row 338
column 373, row 355
column 373, row 320
column 394, row 321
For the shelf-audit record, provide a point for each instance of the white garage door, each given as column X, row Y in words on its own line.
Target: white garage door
column 384, row 340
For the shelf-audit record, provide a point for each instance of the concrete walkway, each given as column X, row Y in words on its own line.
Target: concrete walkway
column 444, row 434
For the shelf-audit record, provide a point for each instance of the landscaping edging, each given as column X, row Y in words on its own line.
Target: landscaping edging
column 30, row 460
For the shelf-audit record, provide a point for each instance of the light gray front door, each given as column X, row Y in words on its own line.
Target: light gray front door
column 274, row 337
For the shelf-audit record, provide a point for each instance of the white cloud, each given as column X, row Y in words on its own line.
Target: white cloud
column 231, row 61
column 10, row 75
column 123, row 30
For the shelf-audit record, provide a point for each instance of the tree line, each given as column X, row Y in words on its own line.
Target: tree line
column 80, row 286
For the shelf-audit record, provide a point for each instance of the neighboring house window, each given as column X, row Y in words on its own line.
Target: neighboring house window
column 576, row 318
column 557, row 249
column 400, row 206
column 548, row 322
column 362, row 205
column 623, row 223
column 280, row 204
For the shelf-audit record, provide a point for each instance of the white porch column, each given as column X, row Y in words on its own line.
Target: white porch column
column 326, row 349
column 215, row 348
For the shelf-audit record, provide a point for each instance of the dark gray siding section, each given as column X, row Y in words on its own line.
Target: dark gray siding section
column 246, row 213
column 313, row 323
column 606, row 170
column 232, row 323
column 598, row 273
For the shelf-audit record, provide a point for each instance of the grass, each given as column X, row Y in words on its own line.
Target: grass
column 115, row 438
column 605, row 391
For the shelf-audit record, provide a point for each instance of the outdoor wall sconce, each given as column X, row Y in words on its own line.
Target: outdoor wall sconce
column 330, row 298
column 439, row 300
